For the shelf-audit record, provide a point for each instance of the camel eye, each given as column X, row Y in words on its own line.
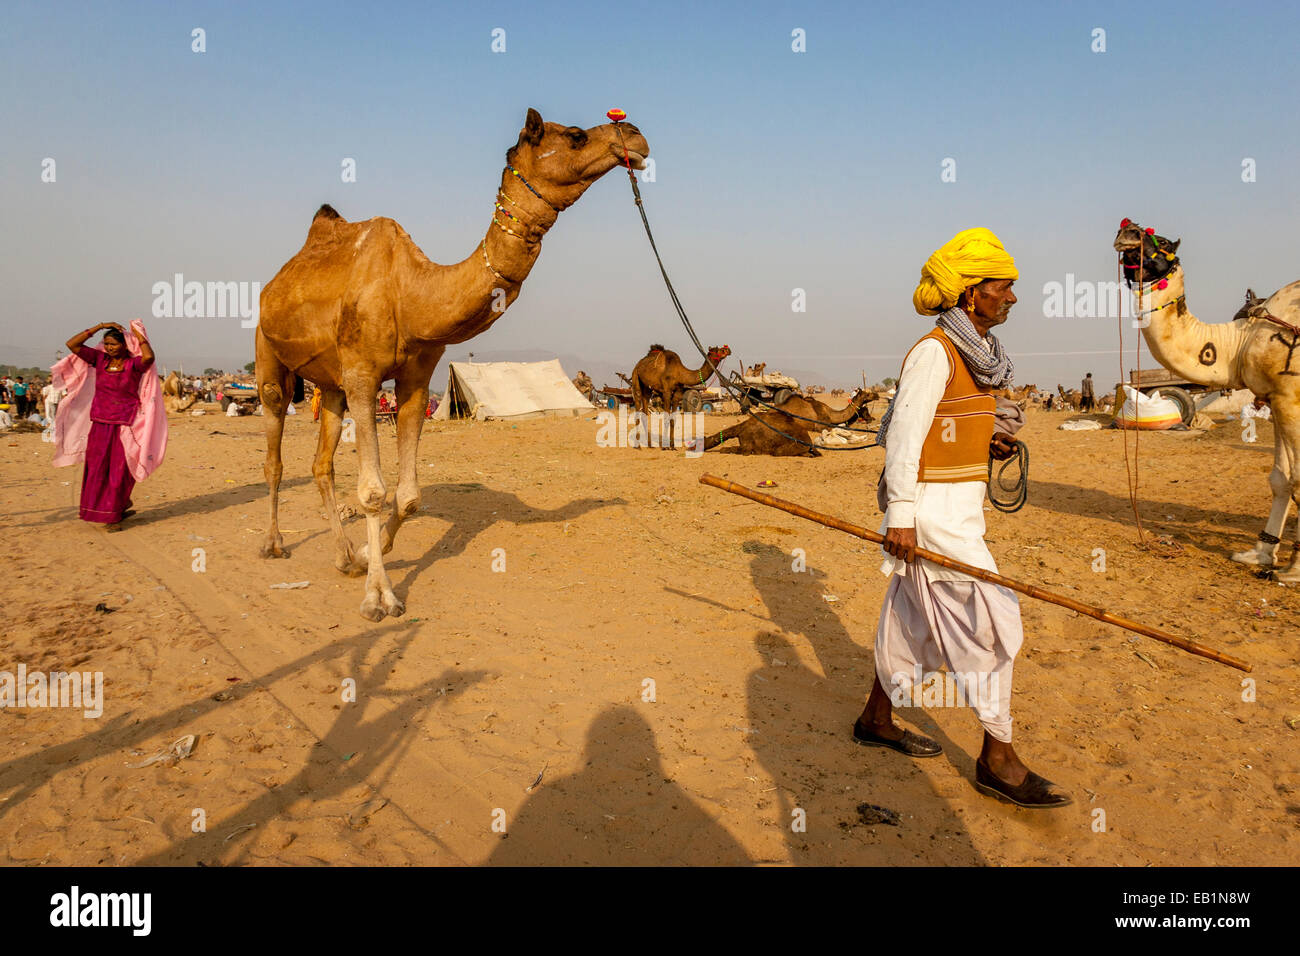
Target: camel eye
column 577, row 137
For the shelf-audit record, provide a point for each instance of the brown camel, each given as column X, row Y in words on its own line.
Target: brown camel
column 760, row 438
column 1256, row 350
column 174, row 397
column 360, row 304
column 662, row 373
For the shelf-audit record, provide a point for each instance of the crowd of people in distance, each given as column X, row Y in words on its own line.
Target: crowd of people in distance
column 34, row 400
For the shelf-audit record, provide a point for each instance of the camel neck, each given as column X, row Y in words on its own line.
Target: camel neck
column 520, row 220
column 1201, row 352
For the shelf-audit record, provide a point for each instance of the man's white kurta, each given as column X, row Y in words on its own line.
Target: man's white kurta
column 933, row 616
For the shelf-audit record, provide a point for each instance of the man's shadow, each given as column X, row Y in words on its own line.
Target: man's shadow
column 620, row 810
column 803, row 723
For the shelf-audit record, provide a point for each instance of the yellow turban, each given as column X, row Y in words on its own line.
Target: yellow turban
column 966, row 259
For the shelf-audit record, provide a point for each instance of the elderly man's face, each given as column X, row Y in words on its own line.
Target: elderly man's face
column 993, row 300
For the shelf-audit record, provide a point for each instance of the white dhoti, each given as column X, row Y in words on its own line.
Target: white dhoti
column 970, row 627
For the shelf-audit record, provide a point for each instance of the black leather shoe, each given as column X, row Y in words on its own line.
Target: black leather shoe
column 1034, row 793
column 914, row 745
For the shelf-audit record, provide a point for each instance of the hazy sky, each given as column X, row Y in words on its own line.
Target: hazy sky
column 775, row 170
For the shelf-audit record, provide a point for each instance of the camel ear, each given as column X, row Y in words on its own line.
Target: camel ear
column 1173, row 246
column 533, row 127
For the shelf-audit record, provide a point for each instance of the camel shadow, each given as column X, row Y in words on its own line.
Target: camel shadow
column 619, row 810
column 1095, row 503
column 387, row 739
column 30, row 773
column 210, row 501
column 803, row 724
column 471, row 509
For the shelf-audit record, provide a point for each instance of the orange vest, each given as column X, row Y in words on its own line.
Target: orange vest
column 957, row 445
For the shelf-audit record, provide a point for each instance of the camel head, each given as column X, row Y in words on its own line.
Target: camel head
column 562, row 161
column 1157, row 255
column 718, row 353
column 862, row 397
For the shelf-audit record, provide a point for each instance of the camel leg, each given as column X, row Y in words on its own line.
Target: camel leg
column 272, row 385
column 412, row 399
column 1287, row 439
column 642, row 406
column 1264, row 554
column 331, row 427
column 671, row 401
column 371, row 493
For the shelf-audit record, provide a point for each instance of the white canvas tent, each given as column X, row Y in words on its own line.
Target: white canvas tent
column 509, row 390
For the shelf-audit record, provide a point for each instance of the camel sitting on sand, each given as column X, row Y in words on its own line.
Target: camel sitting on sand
column 360, row 304
column 767, row 435
column 662, row 373
column 174, row 397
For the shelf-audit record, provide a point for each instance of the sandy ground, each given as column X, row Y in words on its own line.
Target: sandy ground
column 621, row 569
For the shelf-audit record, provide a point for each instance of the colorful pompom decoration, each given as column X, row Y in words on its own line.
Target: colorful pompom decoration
column 616, row 115
column 1162, row 284
column 1125, row 223
column 1150, row 231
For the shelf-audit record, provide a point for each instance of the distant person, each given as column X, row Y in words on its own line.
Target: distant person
column 52, row 395
column 120, row 380
column 1088, row 400
column 20, row 397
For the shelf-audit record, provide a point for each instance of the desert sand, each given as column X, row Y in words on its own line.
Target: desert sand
column 621, row 569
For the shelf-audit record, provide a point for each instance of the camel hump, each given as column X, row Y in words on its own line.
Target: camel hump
column 326, row 211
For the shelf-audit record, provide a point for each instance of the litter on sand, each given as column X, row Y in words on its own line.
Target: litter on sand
column 871, row 814
column 1080, row 425
column 179, row 750
column 538, row 782
column 290, row 585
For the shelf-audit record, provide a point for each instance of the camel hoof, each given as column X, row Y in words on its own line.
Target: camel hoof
column 274, row 549
column 393, row 607
column 1252, row 558
column 371, row 609
column 1288, row 576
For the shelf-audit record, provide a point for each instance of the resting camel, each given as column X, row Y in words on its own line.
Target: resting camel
column 174, row 398
column 360, row 304
column 1256, row 350
column 759, row 438
column 662, row 373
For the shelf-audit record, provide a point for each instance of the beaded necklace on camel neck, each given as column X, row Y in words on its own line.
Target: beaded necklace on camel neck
column 501, row 194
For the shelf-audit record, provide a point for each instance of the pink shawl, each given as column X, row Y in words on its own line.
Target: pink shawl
column 144, row 440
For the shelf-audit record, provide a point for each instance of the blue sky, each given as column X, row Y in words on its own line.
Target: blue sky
column 775, row 170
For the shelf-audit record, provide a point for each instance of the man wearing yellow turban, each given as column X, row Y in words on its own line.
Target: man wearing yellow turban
column 939, row 433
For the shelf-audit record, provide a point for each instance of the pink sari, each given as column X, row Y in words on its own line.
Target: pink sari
column 113, row 421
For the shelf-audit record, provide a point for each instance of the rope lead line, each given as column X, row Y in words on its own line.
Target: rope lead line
column 743, row 399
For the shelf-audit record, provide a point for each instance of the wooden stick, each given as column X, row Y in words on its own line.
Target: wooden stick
column 1031, row 590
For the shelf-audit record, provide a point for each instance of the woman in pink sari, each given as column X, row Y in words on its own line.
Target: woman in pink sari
column 107, row 481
